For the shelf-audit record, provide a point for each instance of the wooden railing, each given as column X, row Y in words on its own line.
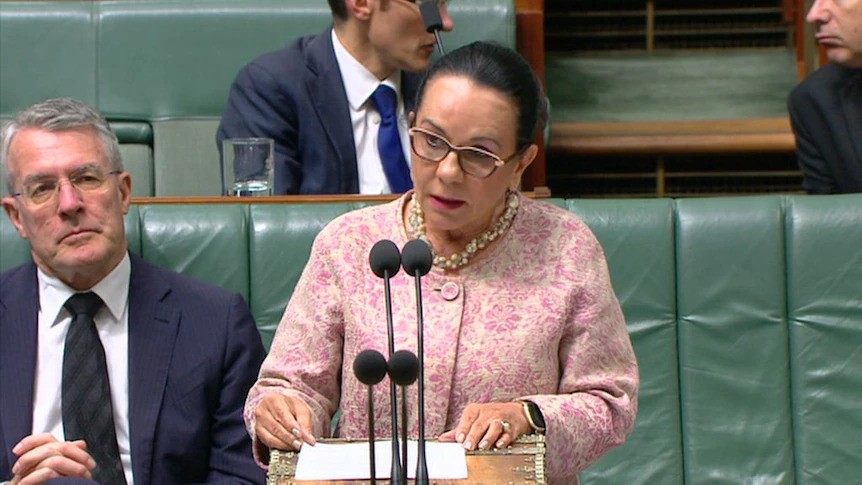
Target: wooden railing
column 293, row 199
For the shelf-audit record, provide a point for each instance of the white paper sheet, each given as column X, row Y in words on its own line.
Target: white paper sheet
column 349, row 461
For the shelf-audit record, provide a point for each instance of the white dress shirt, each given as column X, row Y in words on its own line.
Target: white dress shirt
column 112, row 323
column 359, row 85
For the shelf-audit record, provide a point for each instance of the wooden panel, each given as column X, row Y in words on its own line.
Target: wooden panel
column 530, row 21
column 769, row 135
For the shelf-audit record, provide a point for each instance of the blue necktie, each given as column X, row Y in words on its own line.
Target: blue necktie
column 389, row 141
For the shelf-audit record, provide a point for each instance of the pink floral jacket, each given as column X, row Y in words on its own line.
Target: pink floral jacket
column 535, row 318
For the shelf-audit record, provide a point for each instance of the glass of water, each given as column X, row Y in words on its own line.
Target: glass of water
column 247, row 167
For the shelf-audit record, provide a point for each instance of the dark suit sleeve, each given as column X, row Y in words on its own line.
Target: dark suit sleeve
column 260, row 106
column 231, row 457
column 817, row 179
column 5, row 467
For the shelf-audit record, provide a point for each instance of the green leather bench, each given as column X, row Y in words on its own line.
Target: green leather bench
column 745, row 314
column 160, row 70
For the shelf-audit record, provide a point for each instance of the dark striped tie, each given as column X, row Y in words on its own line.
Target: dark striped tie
column 87, row 411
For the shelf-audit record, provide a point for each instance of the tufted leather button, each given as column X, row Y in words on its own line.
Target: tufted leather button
column 450, row 290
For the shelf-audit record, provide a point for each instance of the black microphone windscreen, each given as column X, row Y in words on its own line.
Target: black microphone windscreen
column 369, row 367
column 403, row 367
column 384, row 257
column 431, row 15
column 416, row 257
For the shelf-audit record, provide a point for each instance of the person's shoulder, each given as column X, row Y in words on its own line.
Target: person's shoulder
column 358, row 221
column 10, row 278
column 283, row 60
column 561, row 226
column 189, row 288
column 546, row 213
column 825, row 81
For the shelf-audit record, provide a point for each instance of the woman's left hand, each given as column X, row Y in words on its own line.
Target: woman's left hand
column 489, row 424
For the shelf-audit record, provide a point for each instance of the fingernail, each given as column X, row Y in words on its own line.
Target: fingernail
column 91, row 463
column 500, row 444
column 483, row 444
column 297, row 444
column 468, row 445
column 460, row 437
column 296, row 432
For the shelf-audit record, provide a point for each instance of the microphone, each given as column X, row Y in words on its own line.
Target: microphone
column 403, row 369
column 433, row 22
column 385, row 261
column 416, row 259
column 370, row 368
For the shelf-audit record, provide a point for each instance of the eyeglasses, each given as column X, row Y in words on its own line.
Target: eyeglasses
column 44, row 190
column 473, row 161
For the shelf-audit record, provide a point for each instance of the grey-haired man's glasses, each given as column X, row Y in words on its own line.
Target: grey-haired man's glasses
column 473, row 161
column 42, row 189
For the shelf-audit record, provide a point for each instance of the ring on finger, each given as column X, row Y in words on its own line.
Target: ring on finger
column 506, row 425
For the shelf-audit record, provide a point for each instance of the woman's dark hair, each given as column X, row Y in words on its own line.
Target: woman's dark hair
column 502, row 69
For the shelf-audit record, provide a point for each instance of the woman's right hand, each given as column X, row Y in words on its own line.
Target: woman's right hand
column 283, row 422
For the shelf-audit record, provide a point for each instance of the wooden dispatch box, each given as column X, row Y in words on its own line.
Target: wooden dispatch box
column 521, row 463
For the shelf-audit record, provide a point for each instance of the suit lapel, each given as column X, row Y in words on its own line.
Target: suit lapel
column 851, row 100
column 19, row 312
column 153, row 325
column 326, row 89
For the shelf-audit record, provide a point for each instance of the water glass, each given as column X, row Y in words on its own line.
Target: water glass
column 247, row 167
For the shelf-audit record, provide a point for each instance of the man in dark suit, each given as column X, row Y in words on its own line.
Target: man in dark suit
column 314, row 97
column 172, row 358
column 826, row 108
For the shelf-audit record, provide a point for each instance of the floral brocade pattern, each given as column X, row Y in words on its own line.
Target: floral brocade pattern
column 535, row 317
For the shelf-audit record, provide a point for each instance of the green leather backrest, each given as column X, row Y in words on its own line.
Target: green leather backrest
column 824, row 280
column 732, row 324
column 164, row 67
column 47, row 49
column 745, row 314
column 638, row 240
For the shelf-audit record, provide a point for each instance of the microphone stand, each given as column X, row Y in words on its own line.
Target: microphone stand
column 421, row 464
column 404, row 429
column 398, row 474
column 416, row 259
column 385, row 261
column 433, row 22
column 370, row 368
column 403, row 368
column 372, row 459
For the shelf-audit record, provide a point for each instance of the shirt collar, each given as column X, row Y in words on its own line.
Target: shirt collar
column 113, row 289
column 359, row 82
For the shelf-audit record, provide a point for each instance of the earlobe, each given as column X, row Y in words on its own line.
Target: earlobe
column 524, row 161
column 14, row 215
column 125, row 180
column 360, row 9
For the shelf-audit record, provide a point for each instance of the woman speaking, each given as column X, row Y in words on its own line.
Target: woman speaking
column 523, row 332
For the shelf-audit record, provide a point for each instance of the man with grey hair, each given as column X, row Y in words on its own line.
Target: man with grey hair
column 111, row 369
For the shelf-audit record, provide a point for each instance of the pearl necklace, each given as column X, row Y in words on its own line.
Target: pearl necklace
column 458, row 259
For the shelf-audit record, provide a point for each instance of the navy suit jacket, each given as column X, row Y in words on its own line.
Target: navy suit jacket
column 826, row 114
column 296, row 96
column 194, row 352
